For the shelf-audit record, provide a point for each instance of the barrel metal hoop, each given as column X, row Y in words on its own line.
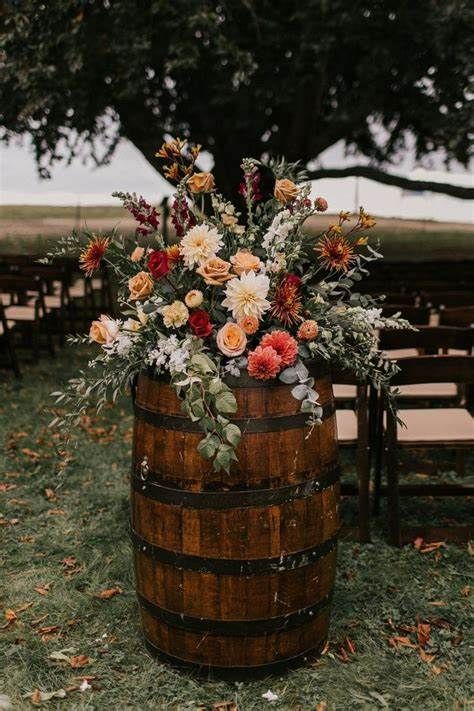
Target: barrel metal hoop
column 233, row 566
column 236, row 628
column 237, row 499
column 248, row 425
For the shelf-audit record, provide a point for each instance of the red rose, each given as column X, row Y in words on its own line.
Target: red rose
column 158, row 264
column 293, row 279
column 200, row 323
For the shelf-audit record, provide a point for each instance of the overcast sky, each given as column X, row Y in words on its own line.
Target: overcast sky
column 129, row 171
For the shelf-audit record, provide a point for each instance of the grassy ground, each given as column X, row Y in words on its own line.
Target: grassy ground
column 29, row 228
column 64, row 541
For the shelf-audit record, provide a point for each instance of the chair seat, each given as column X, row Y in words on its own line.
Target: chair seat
column 402, row 353
column 436, row 426
column 20, row 313
column 428, row 390
column 346, row 426
column 5, row 299
column 52, row 302
column 78, row 289
column 345, row 392
column 97, row 284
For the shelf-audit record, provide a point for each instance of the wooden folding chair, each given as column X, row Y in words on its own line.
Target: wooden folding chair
column 417, row 315
column 27, row 310
column 448, row 299
column 353, row 432
column 448, row 428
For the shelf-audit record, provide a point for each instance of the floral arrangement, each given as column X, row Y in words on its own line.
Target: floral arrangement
column 241, row 291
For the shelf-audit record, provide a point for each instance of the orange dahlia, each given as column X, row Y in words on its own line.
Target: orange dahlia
column 308, row 330
column 284, row 344
column 174, row 255
column 286, row 303
column 91, row 257
column 263, row 363
column 336, row 252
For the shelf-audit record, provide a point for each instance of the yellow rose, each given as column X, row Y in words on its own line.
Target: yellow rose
column 137, row 254
column 201, row 183
column 193, row 298
column 175, row 315
column 215, row 271
column 231, row 340
column 132, row 325
column 245, row 261
column 140, row 285
column 103, row 331
column 285, row 190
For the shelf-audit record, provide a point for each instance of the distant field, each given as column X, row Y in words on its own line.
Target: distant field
column 28, row 228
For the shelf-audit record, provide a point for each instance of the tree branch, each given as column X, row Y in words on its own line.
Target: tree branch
column 365, row 171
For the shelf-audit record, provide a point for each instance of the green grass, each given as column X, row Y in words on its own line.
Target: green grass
column 68, row 212
column 378, row 588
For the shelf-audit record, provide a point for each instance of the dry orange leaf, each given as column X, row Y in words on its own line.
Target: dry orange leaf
column 423, row 632
column 10, row 617
column 437, row 603
column 110, row 592
column 466, row 591
column 24, row 607
column 425, row 657
column 322, row 706
column 50, row 494
column 36, row 697
column 224, row 706
column 80, row 660
column 401, row 642
column 43, row 589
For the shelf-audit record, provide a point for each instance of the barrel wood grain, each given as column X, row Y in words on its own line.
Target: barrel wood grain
column 235, row 571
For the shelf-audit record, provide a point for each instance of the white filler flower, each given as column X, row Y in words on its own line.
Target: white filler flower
column 199, row 244
column 246, row 296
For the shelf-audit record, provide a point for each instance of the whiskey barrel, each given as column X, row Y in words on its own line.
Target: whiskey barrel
column 235, row 571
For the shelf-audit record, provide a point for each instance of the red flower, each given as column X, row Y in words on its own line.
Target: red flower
column 91, row 257
column 293, row 279
column 263, row 363
column 158, row 264
column 200, row 323
column 284, row 344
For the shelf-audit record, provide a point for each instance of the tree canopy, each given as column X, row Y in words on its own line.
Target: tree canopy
column 240, row 77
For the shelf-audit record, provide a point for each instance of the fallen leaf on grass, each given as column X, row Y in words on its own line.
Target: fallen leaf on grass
column 43, row 589
column 10, row 617
column 56, row 512
column 110, row 592
column 63, row 655
column 7, row 487
column 224, row 706
column 79, row 661
column 423, row 632
column 466, row 591
column 50, row 632
column 322, row 706
column 437, row 603
column 37, row 696
column 34, row 456
column 425, row 657
column 401, row 642
column 50, row 495
column 438, row 669
column 24, row 607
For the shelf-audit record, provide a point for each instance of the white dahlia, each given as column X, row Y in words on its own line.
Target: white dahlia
column 245, row 296
column 199, row 244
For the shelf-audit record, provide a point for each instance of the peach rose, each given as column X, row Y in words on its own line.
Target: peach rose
column 201, row 183
column 140, row 285
column 249, row 324
column 103, row 331
column 215, row 271
column 245, row 261
column 228, row 220
column 285, row 190
column 137, row 254
column 193, row 298
column 231, row 340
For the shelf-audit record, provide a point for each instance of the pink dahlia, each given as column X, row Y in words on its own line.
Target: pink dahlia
column 263, row 363
column 284, row 344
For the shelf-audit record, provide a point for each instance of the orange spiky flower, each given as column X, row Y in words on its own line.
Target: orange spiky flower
column 286, row 303
column 173, row 253
column 336, row 252
column 91, row 257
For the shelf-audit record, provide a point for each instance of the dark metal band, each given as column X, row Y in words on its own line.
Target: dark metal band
column 246, row 424
column 244, row 673
column 236, row 628
column 238, row 499
column 233, row 566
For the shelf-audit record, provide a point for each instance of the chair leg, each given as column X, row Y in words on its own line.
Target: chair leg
column 378, row 454
column 363, row 464
column 393, row 502
column 460, row 462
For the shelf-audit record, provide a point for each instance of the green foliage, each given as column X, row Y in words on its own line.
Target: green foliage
column 286, row 78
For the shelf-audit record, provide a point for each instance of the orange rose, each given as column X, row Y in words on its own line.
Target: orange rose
column 285, row 190
column 245, row 261
column 103, row 331
column 141, row 286
column 201, row 183
column 215, row 271
column 231, row 340
column 249, row 324
column 137, row 254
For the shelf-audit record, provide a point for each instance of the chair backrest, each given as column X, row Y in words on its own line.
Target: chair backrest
column 435, row 369
column 447, row 299
column 417, row 315
column 17, row 284
column 430, row 338
column 400, row 299
column 460, row 316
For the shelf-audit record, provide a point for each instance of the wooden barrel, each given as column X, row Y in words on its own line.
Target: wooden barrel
column 235, row 571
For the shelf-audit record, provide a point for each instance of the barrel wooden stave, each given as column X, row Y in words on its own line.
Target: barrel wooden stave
column 194, row 606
